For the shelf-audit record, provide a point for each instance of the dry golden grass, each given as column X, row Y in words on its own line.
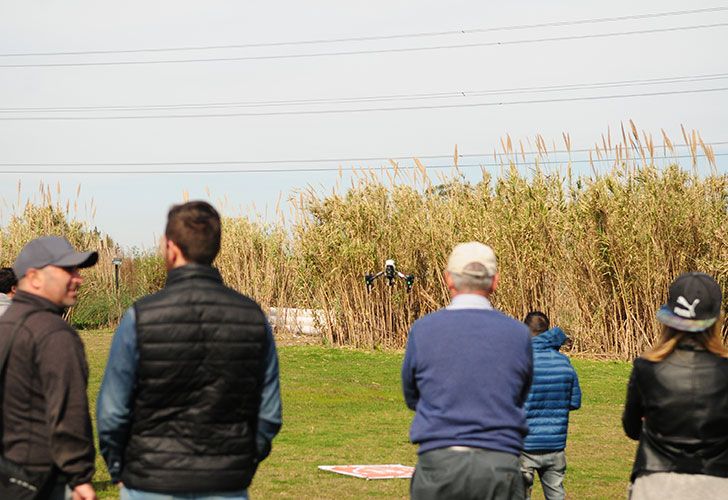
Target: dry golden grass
column 596, row 252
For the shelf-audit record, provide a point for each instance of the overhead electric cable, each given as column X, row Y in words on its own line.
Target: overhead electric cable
column 379, row 98
column 335, row 160
column 310, row 169
column 370, row 51
column 551, row 24
column 361, row 110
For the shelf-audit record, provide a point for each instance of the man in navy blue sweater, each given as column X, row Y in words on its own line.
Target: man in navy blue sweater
column 466, row 374
column 554, row 393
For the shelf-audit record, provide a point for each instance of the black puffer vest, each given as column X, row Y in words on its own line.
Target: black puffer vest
column 201, row 348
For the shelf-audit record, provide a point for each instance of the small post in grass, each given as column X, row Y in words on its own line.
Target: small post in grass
column 117, row 262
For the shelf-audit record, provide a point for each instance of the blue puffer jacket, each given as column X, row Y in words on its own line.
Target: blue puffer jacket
column 554, row 392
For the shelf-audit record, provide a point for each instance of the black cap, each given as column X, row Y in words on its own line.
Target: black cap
column 693, row 303
column 51, row 251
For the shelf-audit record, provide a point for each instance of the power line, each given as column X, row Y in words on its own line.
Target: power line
column 551, row 24
column 379, row 98
column 364, row 110
column 371, row 51
column 299, row 161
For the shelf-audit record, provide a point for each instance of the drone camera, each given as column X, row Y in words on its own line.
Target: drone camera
column 389, row 269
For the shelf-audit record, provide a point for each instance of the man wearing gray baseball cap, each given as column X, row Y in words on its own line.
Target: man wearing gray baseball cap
column 46, row 427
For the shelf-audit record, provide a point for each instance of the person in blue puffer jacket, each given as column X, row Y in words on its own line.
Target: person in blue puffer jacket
column 554, row 393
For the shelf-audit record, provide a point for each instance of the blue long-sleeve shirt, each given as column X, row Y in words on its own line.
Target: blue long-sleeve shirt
column 113, row 410
column 466, row 373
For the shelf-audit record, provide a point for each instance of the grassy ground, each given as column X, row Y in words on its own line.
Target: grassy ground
column 345, row 407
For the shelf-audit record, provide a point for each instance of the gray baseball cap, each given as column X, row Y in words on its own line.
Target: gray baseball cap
column 51, row 251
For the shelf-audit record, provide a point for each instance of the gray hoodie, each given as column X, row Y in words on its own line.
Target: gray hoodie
column 4, row 303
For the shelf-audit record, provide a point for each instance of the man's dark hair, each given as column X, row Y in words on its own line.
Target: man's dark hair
column 195, row 228
column 537, row 322
column 7, row 280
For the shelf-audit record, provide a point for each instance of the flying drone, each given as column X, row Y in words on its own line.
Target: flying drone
column 390, row 272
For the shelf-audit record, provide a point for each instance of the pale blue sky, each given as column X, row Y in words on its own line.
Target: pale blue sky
column 131, row 208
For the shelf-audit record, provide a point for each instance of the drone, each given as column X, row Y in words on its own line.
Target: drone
column 390, row 272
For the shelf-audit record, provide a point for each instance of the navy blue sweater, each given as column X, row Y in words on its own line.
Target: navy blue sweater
column 554, row 392
column 466, row 373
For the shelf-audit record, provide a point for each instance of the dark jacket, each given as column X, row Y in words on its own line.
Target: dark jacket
column 45, row 409
column 202, row 350
column 554, row 392
column 678, row 409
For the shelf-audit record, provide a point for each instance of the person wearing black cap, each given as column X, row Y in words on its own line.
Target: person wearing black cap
column 677, row 399
column 45, row 417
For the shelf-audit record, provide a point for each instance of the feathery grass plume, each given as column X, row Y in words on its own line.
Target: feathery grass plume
column 707, row 151
column 667, row 143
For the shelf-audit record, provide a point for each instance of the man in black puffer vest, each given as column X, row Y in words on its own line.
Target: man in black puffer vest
column 190, row 400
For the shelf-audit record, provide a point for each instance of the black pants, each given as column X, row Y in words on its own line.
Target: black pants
column 459, row 473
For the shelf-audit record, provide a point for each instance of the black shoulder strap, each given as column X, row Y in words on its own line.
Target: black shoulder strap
column 9, row 346
column 5, row 356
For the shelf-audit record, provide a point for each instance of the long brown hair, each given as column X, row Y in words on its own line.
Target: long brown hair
column 710, row 339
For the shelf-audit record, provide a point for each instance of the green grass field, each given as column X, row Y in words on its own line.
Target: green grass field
column 345, row 407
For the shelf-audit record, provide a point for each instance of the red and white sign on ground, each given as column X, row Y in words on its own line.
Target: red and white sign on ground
column 388, row 471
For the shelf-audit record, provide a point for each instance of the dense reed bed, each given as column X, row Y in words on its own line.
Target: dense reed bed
column 596, row 252
column 597, row 257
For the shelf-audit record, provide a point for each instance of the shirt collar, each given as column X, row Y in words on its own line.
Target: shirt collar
column 193, row 271
column 470, row 301
column 37, row 302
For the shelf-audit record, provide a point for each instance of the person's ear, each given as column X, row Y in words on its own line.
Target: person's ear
column 174, row 255
column 496, row 281
column 34, row 278
column 449, row 281
column 167, row 249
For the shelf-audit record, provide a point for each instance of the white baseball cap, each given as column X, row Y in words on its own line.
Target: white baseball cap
column 472, row 252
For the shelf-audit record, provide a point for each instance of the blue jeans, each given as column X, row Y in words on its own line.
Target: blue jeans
column 551, row 468
column 129, row 494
